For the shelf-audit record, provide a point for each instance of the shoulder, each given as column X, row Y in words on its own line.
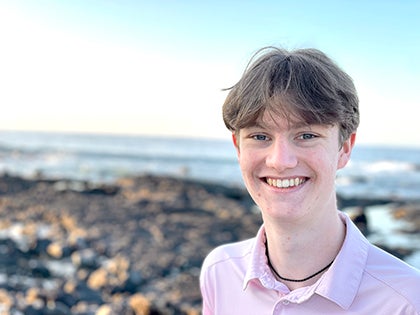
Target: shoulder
column 229, row 252
column 394, row 275
column 225, row 267
column 383, row 264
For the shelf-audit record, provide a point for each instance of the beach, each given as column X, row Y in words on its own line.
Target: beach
column 120, row 224
column 81, row 246
column 136, row 245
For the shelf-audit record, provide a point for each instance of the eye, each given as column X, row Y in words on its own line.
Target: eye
column 307, row 136
column 260, row 137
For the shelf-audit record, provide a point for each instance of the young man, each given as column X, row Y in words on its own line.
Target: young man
column 294, row 116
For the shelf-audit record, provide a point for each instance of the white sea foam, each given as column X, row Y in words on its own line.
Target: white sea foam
column 372, row 171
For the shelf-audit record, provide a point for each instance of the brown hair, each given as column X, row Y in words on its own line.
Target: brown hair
column 304, row 83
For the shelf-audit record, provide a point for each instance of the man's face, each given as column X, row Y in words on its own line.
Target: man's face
column 289, row 168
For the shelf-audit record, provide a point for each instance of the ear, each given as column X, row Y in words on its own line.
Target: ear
column 235, row 142
column 345, row 151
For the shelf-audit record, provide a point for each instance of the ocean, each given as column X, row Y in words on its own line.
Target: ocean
column 372, row 172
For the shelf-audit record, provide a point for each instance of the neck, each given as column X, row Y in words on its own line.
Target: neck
column 297, row 251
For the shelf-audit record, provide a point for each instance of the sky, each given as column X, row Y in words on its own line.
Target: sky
column 160, row 67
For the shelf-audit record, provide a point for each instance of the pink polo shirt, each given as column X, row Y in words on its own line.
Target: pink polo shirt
column 363, row 280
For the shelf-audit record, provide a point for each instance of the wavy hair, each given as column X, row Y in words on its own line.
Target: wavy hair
column 303, row 84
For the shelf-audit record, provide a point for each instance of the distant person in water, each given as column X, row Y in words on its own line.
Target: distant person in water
column 293, row 117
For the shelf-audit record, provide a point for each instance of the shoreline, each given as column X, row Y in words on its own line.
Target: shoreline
column 140, row 238
column 136, row 241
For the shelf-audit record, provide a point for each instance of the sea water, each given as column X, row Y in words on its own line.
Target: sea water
column 373, row 171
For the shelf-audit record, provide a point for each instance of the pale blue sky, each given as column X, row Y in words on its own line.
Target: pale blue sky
column 158, row 67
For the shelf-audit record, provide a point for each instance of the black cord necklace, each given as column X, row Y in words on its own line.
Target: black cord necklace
column 294, row 280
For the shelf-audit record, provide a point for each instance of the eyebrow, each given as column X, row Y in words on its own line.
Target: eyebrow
column 291, row 124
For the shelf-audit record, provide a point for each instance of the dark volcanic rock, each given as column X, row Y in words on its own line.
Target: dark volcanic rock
column 81, row 247
column 136, row 245
column 346, row 202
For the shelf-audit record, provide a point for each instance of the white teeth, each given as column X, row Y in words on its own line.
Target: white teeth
column 285, row 183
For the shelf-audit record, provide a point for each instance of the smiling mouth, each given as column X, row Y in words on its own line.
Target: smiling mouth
column 285, row 183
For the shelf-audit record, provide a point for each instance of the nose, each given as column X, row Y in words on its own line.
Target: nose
column 281, row 155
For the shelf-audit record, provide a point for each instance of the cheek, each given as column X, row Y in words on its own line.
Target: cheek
column 249, row 163
column 245, row 161
column 326, row 163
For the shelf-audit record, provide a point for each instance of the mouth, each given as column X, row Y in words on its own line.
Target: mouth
column 285, row 182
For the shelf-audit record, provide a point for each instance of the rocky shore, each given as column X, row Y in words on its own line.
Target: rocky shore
column 131, row 247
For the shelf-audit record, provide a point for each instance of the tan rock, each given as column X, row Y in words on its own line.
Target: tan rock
column 6, row 300
column 139, row 304
column 104, row 310
column 98, row 279
column 55, row 250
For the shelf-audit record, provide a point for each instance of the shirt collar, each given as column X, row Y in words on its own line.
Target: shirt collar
column 257, row 268
column 339, row 284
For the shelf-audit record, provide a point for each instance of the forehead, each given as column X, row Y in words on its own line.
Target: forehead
column 270, row 119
